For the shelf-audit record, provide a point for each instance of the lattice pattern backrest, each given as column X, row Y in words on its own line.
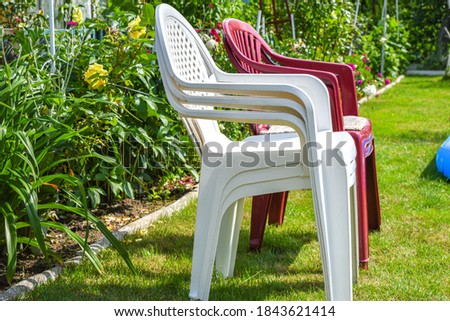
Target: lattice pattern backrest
column 187, row 60
column 189, row 65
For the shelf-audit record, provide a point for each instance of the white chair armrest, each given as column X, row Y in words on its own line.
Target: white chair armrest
column 311, row 85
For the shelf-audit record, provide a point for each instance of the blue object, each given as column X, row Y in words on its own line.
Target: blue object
column 443, row 158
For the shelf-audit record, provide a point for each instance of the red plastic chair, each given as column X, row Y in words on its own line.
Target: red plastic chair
column 249, row 53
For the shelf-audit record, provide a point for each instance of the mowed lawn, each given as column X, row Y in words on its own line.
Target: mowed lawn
column 409, row 256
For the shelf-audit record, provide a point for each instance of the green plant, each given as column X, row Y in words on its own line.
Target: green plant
column 324, row 30
column 80, row 127
column 32, row 147
column 395, row 44
column 124, row 107
column 425, row 21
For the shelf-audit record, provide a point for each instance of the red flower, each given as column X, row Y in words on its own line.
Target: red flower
column 387, row 81
column 210, row 5
column 219, row 25
column 72, row 24
column 352, row 66
column 368, row 68
column 198, row 30
column 215, row 34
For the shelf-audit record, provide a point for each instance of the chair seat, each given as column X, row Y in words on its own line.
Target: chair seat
column 355, row 123
column 271, row 150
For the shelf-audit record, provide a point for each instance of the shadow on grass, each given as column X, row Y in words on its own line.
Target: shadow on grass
column 420, row 136
column 164, row 275
column 431, row 173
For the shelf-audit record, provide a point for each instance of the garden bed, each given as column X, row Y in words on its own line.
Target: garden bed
column 114, row 216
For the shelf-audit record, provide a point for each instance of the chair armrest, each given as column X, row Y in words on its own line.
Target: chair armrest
column 308, row 85
column 330, row 80
column 280, row 113
column 295, row 113
column 342, row 71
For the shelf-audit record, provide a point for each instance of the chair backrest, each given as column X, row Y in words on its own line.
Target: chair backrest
column 185, row 63
column 242, row 41
column 190, row 61
column 249, row 53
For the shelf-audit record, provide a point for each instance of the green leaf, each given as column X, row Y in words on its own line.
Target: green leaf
column 85, row 246
column 128, row 188
column 94, row 194
column 105, row 158
column 3, row 131
column 100, row 177
column 117, row 245
column 11, row 239
column 28, row 147
column 148, row 15
column 116, row 188
column 28, row 195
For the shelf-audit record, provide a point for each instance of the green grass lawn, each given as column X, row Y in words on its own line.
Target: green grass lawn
column 409, row 256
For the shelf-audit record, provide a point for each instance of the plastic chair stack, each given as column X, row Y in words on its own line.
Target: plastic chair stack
column 195, row 87
column 249, row 53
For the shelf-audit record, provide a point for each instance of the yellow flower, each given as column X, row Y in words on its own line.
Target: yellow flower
column 95, row 76
column 134, row 23
column 77, row 15
column 135, row 34
column 135, row 31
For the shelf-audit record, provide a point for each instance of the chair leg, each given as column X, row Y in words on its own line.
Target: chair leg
column 207, row 228
column 229, row 238
column 363, row 226
column 373, row 201
column 277, row 207
column 355, row 232
column 338, row 231
column 260, row 205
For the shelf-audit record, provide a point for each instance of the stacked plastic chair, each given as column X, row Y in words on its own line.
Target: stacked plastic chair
column 194, row 87
column 249, row 53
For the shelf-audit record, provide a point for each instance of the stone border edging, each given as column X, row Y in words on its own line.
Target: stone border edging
column 425, row 72
column 51, row 274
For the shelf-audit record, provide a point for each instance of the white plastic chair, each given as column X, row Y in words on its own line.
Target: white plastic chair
column 194, row 87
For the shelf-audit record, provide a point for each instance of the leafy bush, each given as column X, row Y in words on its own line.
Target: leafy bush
column 81, row 127
column 396, row 47
column 425, row 20
column 325, row 29
column 35, row 144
